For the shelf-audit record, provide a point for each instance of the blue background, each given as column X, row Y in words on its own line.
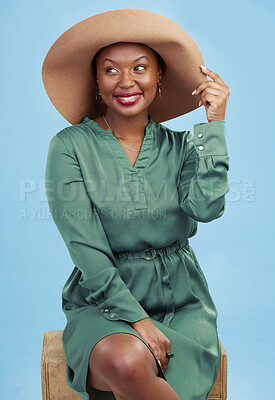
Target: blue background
column 235, row 251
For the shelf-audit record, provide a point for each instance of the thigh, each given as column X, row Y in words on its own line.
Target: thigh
column 117, row 350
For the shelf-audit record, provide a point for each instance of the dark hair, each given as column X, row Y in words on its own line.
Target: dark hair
column 160, row 60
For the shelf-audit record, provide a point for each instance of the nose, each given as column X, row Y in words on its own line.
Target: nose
column 126, row 79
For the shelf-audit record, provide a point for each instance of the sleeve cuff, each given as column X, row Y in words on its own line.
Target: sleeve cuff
column 122, row 306
column 210, row 138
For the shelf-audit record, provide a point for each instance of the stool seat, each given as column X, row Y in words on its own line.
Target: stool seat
column 53, row 371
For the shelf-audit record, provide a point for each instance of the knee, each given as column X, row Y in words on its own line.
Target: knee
column 125, row 359
column 130, row 362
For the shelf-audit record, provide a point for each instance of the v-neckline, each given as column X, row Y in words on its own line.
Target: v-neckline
column 118, row 149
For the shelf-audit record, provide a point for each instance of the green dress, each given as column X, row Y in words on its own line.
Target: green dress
column 126, row 229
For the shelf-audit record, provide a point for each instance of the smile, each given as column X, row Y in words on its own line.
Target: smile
column 127, row 101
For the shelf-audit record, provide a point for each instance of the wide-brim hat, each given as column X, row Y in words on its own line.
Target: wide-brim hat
column 67, row 68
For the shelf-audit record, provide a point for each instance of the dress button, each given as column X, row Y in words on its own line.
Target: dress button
column 201, row 147
column 106, row 310
column 200, row 135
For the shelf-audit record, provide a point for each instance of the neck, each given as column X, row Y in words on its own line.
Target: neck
column 127, row 127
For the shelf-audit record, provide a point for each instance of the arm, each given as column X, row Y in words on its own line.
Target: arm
column 203, row 179
column 83, row 233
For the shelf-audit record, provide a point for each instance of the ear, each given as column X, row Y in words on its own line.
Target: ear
column 160, row 72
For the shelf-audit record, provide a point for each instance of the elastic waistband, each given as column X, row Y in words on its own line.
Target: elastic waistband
column 150, row 253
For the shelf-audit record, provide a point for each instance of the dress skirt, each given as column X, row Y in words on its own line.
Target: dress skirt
column 170, row 285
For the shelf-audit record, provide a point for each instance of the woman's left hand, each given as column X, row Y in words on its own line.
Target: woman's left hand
column 214, row 96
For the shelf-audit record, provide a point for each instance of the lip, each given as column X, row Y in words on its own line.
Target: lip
column 127, row 94
column 129, row 102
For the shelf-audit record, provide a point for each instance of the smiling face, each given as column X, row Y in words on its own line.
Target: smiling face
column 128, row 68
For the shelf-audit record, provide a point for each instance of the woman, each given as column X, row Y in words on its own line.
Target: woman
column 126, row 193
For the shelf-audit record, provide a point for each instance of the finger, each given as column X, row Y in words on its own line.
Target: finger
column 213, row 91
column 166, row 360
column 213, row 100
column 219, row 83
column 159, row 361
column 162, row 361
column 163, row 365
column 213, row 75
column 210, row 97
column 204, row 85
column 168, row 348
column 219, row 97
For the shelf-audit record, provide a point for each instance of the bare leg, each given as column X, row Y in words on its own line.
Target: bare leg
column 123, row 364
column 144, row 387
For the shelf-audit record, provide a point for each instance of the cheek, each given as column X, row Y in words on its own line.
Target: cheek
column 106, row 84
column 105, row 81
column 149, row 82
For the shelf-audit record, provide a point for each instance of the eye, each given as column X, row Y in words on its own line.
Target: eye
column 142, row 66
column 111, row 68
column 107, row 69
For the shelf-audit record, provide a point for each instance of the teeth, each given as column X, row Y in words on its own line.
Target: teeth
column 128, row 98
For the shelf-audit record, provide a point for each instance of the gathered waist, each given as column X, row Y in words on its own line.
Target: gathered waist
column 150, row 252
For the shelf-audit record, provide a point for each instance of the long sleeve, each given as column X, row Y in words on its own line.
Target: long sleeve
column 83, row 233
column 203, row 179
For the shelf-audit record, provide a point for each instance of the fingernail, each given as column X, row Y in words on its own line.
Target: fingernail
column 194, row 92
column 200, row 103
column 203, row 67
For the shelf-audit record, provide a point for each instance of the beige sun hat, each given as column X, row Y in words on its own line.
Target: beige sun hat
column 67, row 68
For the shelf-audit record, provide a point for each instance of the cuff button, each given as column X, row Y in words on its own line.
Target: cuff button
column 106, row 310
column 112, row 315
column 200, row 135
column 200, row 147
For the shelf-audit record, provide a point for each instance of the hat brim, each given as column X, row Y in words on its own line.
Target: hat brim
column 67, row 68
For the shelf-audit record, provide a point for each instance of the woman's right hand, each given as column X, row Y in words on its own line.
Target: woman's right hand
column 158, row 342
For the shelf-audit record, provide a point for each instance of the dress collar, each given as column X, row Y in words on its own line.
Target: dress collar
column 149, row 130
column 118, row 150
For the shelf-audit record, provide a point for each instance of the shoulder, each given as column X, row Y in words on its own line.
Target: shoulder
column 72, row 132
column 177, row 137
column 182, row 141
column 172, row 132
column 74, row 137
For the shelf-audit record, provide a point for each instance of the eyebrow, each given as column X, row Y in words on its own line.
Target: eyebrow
column 108, row 59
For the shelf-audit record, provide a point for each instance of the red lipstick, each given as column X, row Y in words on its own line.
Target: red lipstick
column 126, row 94
column 128, row 98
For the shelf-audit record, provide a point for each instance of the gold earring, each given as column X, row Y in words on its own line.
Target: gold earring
column 96, row 97
column 159, row 88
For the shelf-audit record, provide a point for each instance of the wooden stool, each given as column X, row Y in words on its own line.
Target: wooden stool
column 53, row 372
